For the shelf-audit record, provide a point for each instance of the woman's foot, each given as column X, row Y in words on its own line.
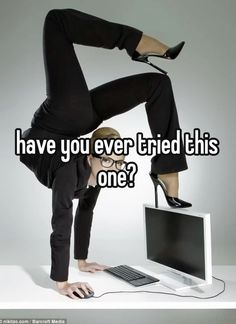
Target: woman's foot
column 171, row 182
column 149, row 44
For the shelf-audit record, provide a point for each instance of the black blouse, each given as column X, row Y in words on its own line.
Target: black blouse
column 68, row 181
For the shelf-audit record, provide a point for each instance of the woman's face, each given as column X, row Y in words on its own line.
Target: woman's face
column 103, row 162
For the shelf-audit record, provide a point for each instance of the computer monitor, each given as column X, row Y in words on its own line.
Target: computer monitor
column 180, row 241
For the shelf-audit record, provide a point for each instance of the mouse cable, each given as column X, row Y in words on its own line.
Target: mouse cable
column 164, row 293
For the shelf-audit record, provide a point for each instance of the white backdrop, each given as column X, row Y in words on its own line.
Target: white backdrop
column 203, row 79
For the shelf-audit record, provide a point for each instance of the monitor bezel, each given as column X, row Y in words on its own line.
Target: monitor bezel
column 207, row 241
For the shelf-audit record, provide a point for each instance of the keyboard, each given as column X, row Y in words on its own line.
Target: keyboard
column 131, row 275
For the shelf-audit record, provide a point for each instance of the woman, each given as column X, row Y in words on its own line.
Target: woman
column 71, row 110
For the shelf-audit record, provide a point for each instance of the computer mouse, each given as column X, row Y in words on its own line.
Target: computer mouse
column 91, row 293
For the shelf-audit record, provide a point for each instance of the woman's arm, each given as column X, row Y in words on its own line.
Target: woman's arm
column 63, row 189
column 82, row 229
column 83, row 221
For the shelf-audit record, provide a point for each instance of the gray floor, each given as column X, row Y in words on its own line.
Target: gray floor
column 127, row 316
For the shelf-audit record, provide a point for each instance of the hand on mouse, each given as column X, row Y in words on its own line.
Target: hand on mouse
column 90, row 266
column 67, row 289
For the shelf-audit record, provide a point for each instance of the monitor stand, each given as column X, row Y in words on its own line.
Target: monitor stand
column 177, row 281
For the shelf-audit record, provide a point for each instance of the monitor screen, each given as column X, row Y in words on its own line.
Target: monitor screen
column 176, row 240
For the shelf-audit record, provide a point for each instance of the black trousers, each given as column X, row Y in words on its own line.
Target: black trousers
column 72, row 109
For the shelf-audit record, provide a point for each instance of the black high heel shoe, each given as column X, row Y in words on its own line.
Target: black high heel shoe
column 170, row 54
column 172, row 201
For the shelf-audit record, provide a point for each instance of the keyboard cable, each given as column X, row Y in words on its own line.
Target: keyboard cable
column 164, row 293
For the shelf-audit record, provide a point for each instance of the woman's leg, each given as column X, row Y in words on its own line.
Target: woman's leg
column 68, row 109
column 155, row 89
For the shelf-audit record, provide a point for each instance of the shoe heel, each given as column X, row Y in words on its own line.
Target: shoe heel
column 155, row 183
column 144, row 59
column 156, row 67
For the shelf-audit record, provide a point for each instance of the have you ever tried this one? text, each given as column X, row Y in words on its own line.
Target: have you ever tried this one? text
column 193, row 144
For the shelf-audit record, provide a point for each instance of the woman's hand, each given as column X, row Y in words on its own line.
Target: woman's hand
column 90, row 266
column 66, row 288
